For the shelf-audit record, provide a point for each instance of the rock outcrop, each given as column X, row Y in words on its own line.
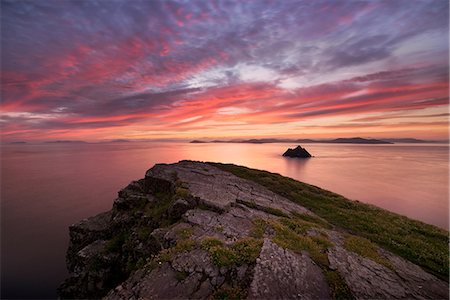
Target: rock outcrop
column 190, row 230
column 298, row 152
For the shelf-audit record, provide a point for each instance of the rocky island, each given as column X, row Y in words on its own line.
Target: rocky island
column 298, row 152
column 207, row 230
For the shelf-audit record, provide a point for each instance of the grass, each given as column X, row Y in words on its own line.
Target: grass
column 166, row 255
column 420, row 243
column 184, row 233
column 259, row 228
column 243, row 251
column 296, row 240
column 365, row 248
column 274, row 211
column 300, row 226
column 210, row 242
column 182, row 192
column 311, row 219
column 338, row 288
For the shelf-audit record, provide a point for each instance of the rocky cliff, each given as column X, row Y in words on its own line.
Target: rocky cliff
column 191, row 230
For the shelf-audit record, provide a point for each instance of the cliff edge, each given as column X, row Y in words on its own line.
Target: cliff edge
column 195, row 230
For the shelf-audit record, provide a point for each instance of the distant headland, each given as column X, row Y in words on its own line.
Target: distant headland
column 355, row 140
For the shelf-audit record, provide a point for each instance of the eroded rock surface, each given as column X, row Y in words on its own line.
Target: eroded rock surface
column 282, row 274
column 190, row 230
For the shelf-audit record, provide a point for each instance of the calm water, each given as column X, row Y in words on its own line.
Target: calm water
column 45, row 188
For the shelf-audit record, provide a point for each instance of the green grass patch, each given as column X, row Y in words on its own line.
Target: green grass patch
column 259, row 228
column 182, row 192
column 243, row 251
column 311, row 219
column 184, row 233
column 185, row 246
column 420, row 243
column 292, row 239
column 298, row 225
column 210, row 242
column 338, row 288
column 167, row 255
column 247, row 250
column 274, row 211
column 365, row 248
column 162, row 257
column 222, row 256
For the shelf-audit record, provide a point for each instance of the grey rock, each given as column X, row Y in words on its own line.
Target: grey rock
column 216, row 224
column 194, row 260
column 161, row 283
column 282, row 274
column 204, row 291
column 86, row 232
column 370, row 280
column 159, row 235
column 240, row 272
column 219, row 189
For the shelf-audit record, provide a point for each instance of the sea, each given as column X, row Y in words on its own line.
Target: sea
column 47, row 187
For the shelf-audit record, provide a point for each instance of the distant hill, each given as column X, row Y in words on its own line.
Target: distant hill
column 197, row 142
column 66, row 142
column 408, row 140
column 18, row 142
column 305, row 141
column 356, row 140
column 120, row 141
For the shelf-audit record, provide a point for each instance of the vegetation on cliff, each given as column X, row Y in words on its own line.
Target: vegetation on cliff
column 423, row 244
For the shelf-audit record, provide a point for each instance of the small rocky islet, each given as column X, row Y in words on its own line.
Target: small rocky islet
column 297, row 152
column 196, row 230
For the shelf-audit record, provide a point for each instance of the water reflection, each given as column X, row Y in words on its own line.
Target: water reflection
column 295, row 165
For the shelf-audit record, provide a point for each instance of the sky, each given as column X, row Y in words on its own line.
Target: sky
column 99, row 70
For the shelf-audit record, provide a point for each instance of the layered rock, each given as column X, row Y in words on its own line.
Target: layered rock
column 190, row 230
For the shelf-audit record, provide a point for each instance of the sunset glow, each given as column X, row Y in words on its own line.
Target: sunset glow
column 102, row 70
